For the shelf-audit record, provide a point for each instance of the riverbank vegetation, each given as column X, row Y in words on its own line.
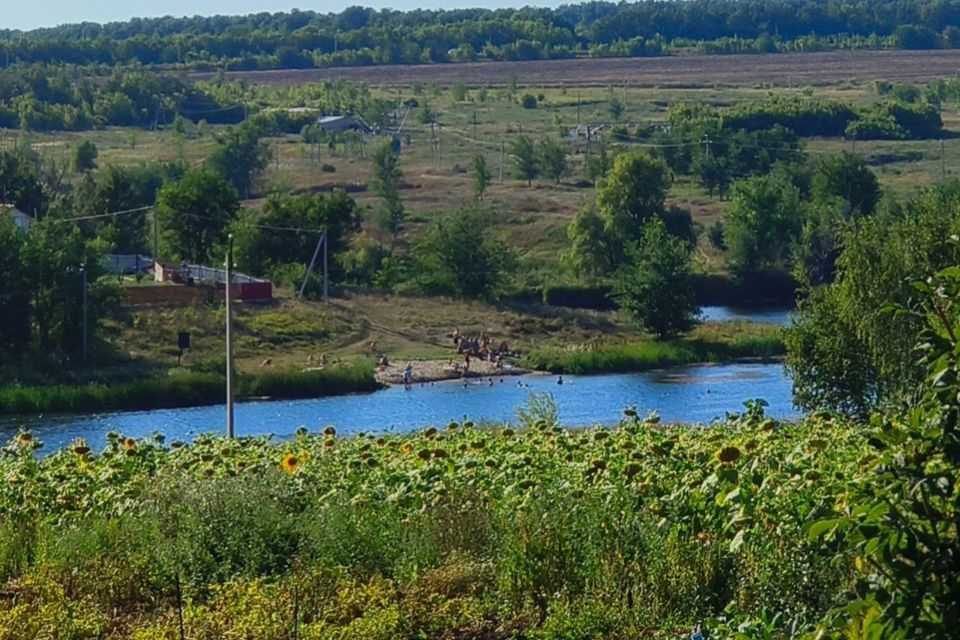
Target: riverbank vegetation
column 185, row 389
column 715, row 343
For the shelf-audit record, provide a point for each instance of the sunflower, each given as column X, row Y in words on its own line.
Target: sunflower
column 290, row 463
column 129, row 443
column 728, row 455
column 80, row 448
column 25, row 437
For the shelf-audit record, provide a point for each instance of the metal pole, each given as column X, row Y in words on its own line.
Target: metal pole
column 156, row 240
column 501, row 161
column 313, row 261
column 943, row 162
column 326, row 277
column 83, row 271
column 229, row 299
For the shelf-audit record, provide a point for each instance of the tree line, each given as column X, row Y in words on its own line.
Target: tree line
column 358, row 35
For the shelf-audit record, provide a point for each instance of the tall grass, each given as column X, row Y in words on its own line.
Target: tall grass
column 649, row 354
column 185, row 389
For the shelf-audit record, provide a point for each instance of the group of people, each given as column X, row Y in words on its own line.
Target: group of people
column 479, row 347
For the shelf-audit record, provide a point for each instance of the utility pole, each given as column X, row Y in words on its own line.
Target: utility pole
column 156, row 242
column 501, row 160
column 943, row 162
column 83, row 274
column 326, row 275
column 578, row 106
column 229, row 299
column 313, row 261
column 474, row 125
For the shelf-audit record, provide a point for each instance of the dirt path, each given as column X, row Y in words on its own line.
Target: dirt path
column 795, row 69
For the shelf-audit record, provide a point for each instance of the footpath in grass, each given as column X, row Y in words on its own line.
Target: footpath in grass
column 640, row 531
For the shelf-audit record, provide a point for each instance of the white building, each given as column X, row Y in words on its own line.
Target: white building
column 20, row 218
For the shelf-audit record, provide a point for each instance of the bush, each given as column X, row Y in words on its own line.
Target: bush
column 528, row 101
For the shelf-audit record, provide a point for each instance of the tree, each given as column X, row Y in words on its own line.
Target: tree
column 240, row 156
column 20, row 184
column 195, row 212
column 260, row 249
column 656, row 288
column 761, row 223
column 57, row 255
column 15, row 297
column 119, row 189
column 386, row 182
column 598, row 164
column 633, row 192
column 481, row 176
column 525, row 165
column 590, row 250
column 844, row 350
column 85, row 156
column 458, row 256
column 552, row 158
column 847, row 176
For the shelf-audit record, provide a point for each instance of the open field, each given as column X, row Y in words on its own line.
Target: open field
column 790, row 69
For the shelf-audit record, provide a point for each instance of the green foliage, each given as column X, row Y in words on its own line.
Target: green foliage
column 557, row 533
column 633, row 192
column 552, row 159
column 528, row 101
column 260, row 248
column 760, row 223
column 240, row 157
column 846, row 328
column 656, row 289
column 386, row 183
column 195, row 213
column 591, row 253
column 525, row 161
column 847, row 176
column 481, row 176
column 900, row 526
column 458, row 256
column 85, row 156
column 21, row 184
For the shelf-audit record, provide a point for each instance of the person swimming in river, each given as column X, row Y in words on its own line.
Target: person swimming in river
column 560, row 380
column 408, row 375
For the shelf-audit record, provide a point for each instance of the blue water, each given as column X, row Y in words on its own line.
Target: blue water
column 695, row 394
column 770, row 315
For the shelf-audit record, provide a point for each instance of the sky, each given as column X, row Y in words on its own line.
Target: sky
column 30, row 14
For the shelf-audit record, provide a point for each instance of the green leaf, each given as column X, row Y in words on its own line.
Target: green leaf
column 820, row 527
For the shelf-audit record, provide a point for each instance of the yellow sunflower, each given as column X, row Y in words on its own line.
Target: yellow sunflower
column 129, row 443
column 290, row 463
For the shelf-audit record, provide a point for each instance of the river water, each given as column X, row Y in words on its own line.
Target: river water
column 692, row 394
column 695, row 394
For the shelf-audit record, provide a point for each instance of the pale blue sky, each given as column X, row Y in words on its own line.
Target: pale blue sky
column 29, row 14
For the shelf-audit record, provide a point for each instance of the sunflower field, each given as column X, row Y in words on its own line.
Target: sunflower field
column 639, row 531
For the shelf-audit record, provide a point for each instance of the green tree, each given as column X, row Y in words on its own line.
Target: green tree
column 552, row 158
column 56, row 254
column 15, row 296
column 194, row 213
column 260, row 248
column 599, row 163
column 240, row 156
column 656, row 288
column 386, row 182
column 459, row 256
column 882, row 255
column 590, row 250
column 633, row 192
column 85, row 156
column 847, row 176
column 122, row 189
column 21, row 184
column 481, row 176
column 525, row 165
column 761, row 223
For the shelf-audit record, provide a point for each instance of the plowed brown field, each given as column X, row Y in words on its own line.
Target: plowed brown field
column 797, row 69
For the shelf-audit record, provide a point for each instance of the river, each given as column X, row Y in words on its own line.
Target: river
column 694, row 394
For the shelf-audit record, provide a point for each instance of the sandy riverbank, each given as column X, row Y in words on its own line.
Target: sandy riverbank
column 435, row 370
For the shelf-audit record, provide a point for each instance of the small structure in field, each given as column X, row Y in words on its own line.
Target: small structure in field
column 21, row 219
column 339, row 124
column 244, row 287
